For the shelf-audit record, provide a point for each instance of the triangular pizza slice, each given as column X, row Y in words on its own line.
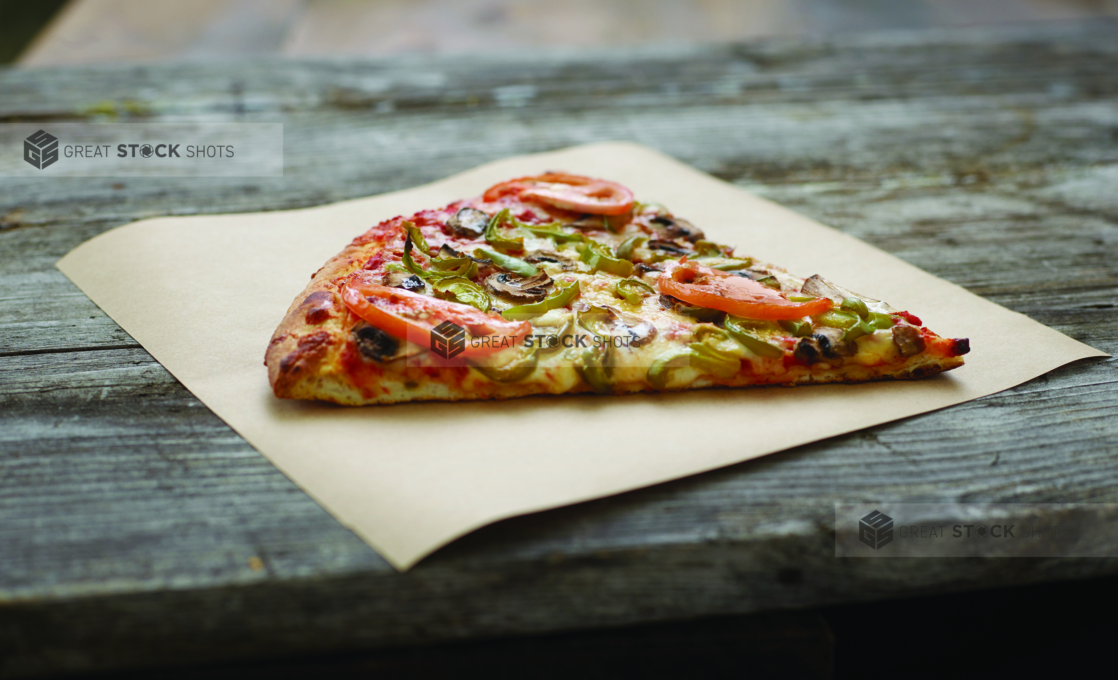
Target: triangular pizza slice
column 559, row 284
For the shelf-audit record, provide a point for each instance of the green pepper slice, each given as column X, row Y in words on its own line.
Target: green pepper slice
column 860, row 329
column 594, row 370
column 704, row 247
column 660, row 370
column 625, row 250
column 704, row 330
column 713, row 360
column 600, row 257
column 697, row 354
column 734, row 327
column 466, row 271
column 881, row 321
column 513, row 371
column 416, row 236
column 464, row 291
column 797, row 327
column 551, row 231
column 507, row 262
column 546, row 346
column 856, row 306
column 561, row 297
column 731, row 265
column 493, row 233
column 632, row 290
column 837, row 319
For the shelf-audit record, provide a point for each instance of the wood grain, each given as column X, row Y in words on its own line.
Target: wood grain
column 141, row 31
column 136, row 528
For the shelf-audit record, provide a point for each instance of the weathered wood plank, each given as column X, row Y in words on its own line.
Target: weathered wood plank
column 155, row 499
column 988, row 159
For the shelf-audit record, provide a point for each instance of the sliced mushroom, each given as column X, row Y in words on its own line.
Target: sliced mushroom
column 468, row 222
column 448, row 252
column 520, row 288
column 672, row 227
column 762, row 276
column 588, row 223
column 908, row 340
column 831, row 342
column 702, row 314
column 668, row 247
column 820, row 287
column 404, row 280
column 550, row 257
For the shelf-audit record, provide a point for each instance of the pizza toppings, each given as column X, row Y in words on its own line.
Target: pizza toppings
column 569, row 192
column 405, row 280
column 595, row 368
column 411, row 316
column 697, row 355
column 670, row 247
column 375, row 344
column 633, row 291
column 441, row 268
column 551, row 278
column 798, row 328
column 494, row 235
column 908, row 340
column 607, row 322
column 520, row 288
column 672, row 228
column 464, row 291
column 716, row 289
column 468, row 223
column 739, row 330
column 561, row 297
column 552, row 231
column 811, row 350
column 601, row 257
column 507, row 262
column 694, row 312
column 512, row 371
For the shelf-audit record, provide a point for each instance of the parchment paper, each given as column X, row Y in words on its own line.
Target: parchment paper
column 204, row 294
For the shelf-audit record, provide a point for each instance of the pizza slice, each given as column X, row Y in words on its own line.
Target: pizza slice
column 559, row 284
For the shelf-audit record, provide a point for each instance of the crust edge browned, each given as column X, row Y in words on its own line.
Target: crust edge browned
column 311, row 327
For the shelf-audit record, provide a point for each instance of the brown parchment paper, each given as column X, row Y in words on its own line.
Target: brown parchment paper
column 204, row 294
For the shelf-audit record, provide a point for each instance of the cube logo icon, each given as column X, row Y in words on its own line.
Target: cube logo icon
column 448, row 340
column 40, row 149
column 876, row 530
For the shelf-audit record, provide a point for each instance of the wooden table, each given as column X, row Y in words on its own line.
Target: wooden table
column 137, row 528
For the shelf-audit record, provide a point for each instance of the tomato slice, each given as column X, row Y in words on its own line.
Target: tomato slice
column 412, row 316
column 569, row 192
column 715, row 289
